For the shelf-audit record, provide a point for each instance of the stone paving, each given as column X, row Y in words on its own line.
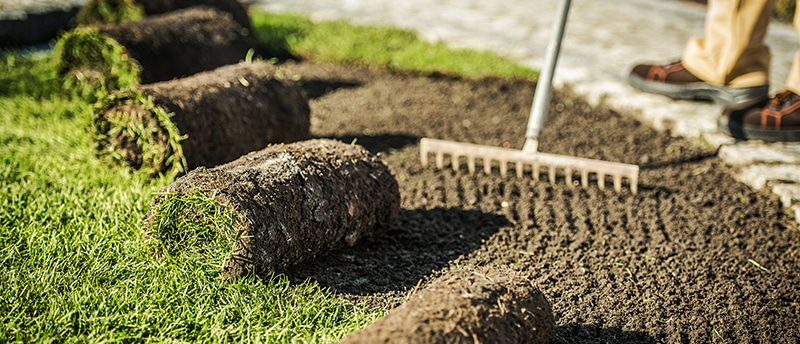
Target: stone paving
column 603, row 40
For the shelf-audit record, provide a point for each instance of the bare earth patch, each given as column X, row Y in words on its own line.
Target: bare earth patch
column 693, row 257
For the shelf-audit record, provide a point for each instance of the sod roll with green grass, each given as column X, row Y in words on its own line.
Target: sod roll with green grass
column 467, row 305
column 274, row 208
column 167, row 46
column 206, row 119
column 234, row 7
column 91, row 64
column 96, row 12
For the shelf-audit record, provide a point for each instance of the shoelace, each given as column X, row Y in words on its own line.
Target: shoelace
column 781, row 100
column 782, row 104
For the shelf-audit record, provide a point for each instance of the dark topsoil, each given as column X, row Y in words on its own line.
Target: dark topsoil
column 693, row 257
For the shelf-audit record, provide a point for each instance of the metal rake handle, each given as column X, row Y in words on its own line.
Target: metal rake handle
column 544, row 85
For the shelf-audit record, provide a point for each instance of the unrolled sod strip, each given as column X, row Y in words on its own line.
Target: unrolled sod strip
column 206, row 119
column 290, row 203
column 156, row 48
column 468, row 305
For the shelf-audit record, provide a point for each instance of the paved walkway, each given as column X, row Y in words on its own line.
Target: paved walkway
column 602, row 42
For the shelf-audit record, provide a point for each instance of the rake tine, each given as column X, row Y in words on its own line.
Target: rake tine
column 503, row 168
column 454, row 162
column 571, row 167
column 568, row 176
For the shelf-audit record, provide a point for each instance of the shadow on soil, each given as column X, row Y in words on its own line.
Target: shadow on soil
column 704, row 156
column 395, row 260
column 316, row 88
column 590, row 334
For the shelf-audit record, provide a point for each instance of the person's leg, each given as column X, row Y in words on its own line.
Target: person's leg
column 793, row 79
column 729, row 65
column 775, row 119
column 732, row 51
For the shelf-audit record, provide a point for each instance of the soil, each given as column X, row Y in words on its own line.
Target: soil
column 694, row 256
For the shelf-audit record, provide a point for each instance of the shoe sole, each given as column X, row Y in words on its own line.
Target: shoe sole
column 741, row 132
column 700, row 91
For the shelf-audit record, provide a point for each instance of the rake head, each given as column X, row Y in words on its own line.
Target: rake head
column 502, row 159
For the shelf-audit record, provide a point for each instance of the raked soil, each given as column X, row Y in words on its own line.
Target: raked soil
column 693, row 257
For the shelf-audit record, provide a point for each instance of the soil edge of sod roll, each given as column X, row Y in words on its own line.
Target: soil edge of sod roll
column 467, row 305
column 292, row 203
column 206, row 119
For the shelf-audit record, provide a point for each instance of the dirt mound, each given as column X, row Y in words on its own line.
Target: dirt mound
column 693, row 257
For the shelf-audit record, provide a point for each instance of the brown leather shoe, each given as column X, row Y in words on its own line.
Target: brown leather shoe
column 776, row 119
column 674, row 81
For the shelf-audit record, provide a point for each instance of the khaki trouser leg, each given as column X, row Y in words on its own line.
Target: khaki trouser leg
column 732, row 52
column 793, row 79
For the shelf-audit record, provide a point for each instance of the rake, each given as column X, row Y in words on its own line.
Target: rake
column 529, row 158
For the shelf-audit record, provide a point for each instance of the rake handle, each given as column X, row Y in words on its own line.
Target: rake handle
column 544, row 85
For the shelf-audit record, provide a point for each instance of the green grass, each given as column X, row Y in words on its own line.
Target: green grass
column 402, row 50
column 76, row 264
column 785, row 10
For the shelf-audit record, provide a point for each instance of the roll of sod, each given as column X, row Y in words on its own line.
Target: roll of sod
column 167, row 46
column 275, row 208
column 470, row 305
column 234, row 7
column 96, row 12
column 206, row 119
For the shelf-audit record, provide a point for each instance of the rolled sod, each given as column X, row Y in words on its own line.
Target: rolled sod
column 469, row 305
column 161, row 47
column 206, row 119
column 234, row 7
column 290, row 203
column 96, row 12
